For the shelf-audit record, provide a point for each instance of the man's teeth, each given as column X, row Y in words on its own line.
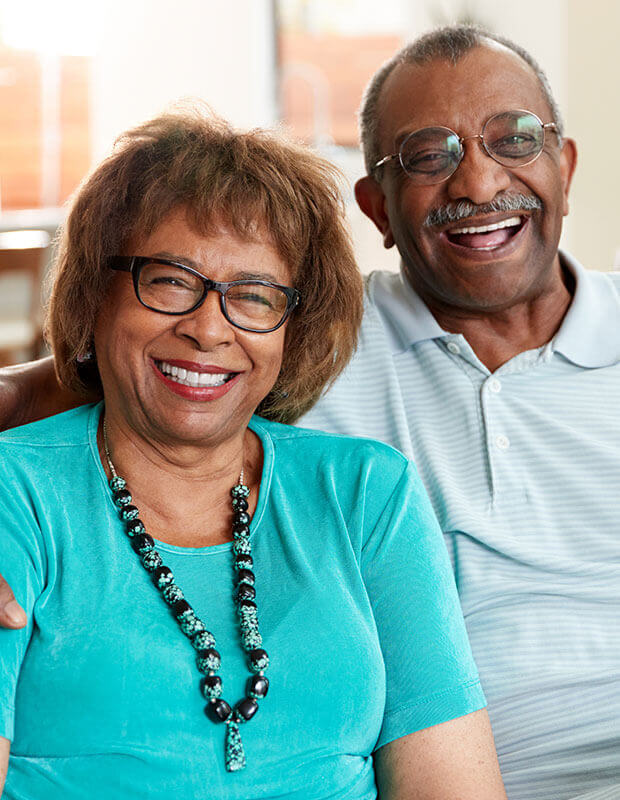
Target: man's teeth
column 495, row 226
column 189, row 378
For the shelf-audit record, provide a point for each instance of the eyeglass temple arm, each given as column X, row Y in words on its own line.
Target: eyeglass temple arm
column 385, row 161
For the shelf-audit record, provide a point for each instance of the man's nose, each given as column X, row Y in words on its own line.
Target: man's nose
column 207, row 326
column 478, row 177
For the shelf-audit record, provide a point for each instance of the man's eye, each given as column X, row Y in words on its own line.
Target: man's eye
column 516, row 143
column 428, row 161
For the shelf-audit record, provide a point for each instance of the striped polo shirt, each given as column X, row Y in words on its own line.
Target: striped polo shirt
column 523, row 469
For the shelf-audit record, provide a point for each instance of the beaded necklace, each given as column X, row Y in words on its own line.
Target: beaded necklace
column 207, row 657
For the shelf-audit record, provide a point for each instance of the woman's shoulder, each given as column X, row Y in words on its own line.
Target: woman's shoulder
column 313, row 451
column 69, row 429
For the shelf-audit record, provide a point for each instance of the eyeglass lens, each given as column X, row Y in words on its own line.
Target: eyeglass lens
column 512, row 138
column 165, row 287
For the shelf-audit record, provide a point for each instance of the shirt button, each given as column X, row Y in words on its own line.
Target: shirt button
column 494, row 385
column 453, row 348
column 502, row 442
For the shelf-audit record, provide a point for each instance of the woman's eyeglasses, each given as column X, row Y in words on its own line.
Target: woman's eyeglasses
column 432, row 155
column 171, row 288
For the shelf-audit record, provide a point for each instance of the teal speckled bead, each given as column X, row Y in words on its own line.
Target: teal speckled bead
column 259, row 660
column 192, row 625
column 240, row 491
column 151, row 560
column 208, row 660
column 203, row 640
column 117, row 483
column 212, row 687
column 122, row 498
column 129, row 512
column 242, row 547
column 172, row 594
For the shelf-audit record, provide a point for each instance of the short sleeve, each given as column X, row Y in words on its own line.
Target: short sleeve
column 22, row 565
column 430, row 672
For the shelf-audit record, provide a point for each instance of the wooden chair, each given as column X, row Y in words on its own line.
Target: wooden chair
column 22, row 253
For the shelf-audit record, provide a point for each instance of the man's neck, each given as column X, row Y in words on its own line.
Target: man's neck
column 496, row 337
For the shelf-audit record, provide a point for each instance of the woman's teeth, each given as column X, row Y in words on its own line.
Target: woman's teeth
column 495, row 226
column 189, row 378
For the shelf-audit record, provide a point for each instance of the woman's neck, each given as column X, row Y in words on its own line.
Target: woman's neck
column 183, row 492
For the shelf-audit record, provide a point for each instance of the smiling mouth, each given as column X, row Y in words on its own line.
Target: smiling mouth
column 486, row 237
column 188, row 377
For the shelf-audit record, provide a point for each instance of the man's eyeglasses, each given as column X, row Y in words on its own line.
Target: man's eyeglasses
column 171, row 288
column 432, row 155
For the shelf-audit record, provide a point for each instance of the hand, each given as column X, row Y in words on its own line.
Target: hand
column 12, row 615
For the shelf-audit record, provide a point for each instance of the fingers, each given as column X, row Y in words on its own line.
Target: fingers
column 12, row 615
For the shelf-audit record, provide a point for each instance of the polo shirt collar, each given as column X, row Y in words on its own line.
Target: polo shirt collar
column 590, row 332
column 589, row 335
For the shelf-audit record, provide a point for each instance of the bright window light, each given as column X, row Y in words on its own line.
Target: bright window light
column 62, row 27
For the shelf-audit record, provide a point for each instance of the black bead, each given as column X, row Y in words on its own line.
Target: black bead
column 162, row 576
column 241, row 530
column 241, row 518
column 122, row 497
column 219, row 711
column 258, row 686
column 142, row 543
column 246, row 592
column 243, row 561
column 207, row 660
column 246, row 708
column 134, row 527
column 213, row 681
column 246, row 576
column 259, row 660
column 247, row 604
column 129, row 512
column 180, row 608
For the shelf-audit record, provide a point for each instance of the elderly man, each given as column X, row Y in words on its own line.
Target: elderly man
column 492, row 360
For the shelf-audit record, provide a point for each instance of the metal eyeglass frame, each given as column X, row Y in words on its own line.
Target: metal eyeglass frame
column 544, row 126
column 134, row 265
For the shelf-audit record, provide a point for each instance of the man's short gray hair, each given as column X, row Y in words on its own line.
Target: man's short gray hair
column 449, row 43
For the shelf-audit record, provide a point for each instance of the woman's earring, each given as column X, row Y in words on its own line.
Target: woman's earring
column 87, row 357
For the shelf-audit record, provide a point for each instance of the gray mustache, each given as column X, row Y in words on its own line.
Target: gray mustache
column 455, row 212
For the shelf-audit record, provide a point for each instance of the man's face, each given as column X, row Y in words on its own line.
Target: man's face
column 481, row 271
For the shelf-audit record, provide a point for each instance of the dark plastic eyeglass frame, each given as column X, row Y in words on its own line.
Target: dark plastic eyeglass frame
column 134, row 265
column 544, row 126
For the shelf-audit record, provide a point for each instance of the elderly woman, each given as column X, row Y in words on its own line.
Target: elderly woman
column 178, row 555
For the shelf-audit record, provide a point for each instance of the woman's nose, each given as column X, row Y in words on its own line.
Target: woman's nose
column 207, row 325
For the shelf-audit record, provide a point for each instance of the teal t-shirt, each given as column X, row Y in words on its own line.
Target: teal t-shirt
column 357, row 607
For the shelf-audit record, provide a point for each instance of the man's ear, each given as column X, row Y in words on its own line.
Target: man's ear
column 568, row 162
column 372, row 201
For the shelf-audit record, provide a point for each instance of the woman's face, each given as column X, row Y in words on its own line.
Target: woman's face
column 139, row 350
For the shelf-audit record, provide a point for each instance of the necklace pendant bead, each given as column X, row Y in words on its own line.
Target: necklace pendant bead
column 235, row 755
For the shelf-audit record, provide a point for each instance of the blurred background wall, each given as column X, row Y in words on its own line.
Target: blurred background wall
column 73, row 75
